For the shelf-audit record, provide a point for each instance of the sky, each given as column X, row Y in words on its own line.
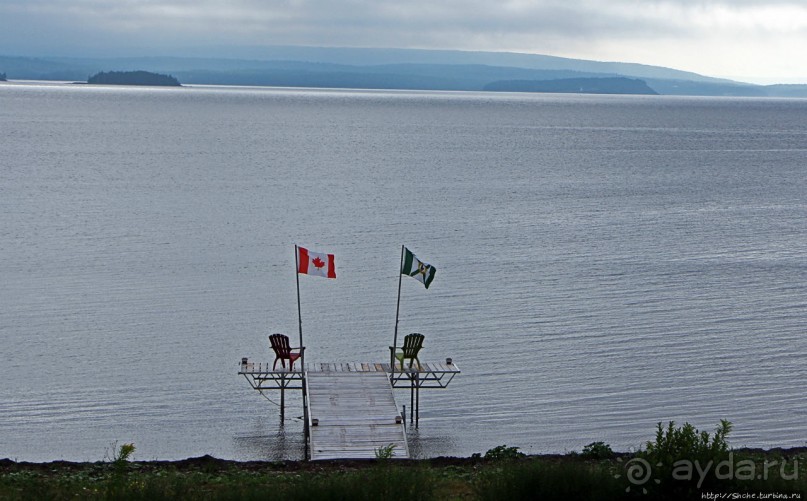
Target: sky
column 760, row 41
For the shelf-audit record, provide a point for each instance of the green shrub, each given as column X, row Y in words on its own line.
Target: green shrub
column 385, row 452
column 503, row 452
column 679, row 455
column 686, row 442
column 597, row 450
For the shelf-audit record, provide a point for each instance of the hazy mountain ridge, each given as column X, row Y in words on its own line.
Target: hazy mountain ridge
column 609, row 85
column 390, row 69
column 379, row 56
column 388, row 76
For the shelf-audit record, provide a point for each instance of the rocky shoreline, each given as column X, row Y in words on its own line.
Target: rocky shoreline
column 210, row 463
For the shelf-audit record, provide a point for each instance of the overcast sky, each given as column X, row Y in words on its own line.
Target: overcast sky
column 754, row 40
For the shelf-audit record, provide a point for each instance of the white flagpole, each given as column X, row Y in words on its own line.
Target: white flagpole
column 397, row 311
column 299, row 311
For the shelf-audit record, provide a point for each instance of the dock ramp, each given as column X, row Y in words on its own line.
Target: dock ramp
column 352, row 415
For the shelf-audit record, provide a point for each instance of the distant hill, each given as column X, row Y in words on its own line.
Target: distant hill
column 2, row 77
column 377, row 56
column 721, row 88
column 612, row 85
column 133, row 78
column 389, row 76
column 29, row 68
column 386, row 69
column 786, row 90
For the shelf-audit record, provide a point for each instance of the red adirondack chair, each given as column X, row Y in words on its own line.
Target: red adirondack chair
column 283, row 352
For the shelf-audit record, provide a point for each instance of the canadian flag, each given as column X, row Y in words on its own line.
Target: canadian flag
column 315, row 263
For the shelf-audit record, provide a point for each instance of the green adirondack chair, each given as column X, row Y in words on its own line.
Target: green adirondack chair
column 411, row 346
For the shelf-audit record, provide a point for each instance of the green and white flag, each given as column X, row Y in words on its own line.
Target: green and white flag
column 417, row 269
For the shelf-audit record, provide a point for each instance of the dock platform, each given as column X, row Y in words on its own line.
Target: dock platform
column 350, row 409
column 430, row 374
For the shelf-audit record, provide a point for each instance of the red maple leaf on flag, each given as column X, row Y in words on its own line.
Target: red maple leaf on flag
column 319, row 263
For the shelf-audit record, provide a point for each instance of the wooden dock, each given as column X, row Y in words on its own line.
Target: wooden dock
column 350, row 409
column 352, row 415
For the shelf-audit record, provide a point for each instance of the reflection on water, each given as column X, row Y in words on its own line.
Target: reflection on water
column 427, row 445
column 287, row 442
column 274, row 439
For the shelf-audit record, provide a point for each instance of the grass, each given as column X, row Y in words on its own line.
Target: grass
column 510, row 477
column 145, row 482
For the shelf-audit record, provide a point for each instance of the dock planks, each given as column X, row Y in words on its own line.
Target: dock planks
column 356, row 414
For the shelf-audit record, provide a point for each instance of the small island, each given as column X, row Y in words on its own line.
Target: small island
column 3, row 77
column 133, row 78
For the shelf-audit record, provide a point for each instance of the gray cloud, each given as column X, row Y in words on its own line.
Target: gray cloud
column 578, row 28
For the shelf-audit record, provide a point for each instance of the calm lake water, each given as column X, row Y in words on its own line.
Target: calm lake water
column 604, row 263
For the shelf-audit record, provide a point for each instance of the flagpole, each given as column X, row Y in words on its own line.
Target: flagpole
column 299, row 311
column 397, row 311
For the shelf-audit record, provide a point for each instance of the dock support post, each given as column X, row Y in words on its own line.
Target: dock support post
column 282, row 398
column 417, row 400
column 411, row 400
column 414, row 397
column 403, row 417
